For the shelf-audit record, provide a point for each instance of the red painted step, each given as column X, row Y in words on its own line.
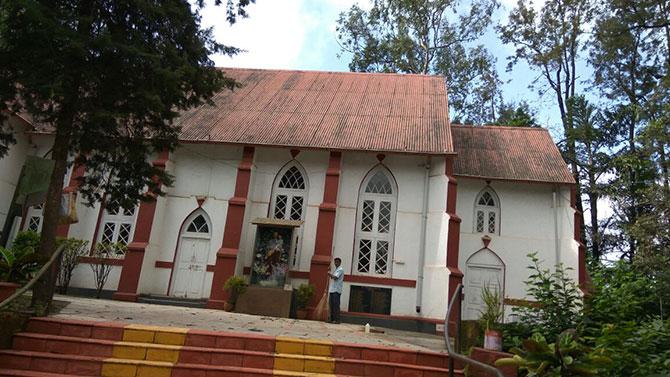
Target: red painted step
column 57, row 347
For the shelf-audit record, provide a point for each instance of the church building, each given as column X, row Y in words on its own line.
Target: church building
column 296, row 168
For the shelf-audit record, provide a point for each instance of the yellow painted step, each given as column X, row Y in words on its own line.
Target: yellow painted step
column 146, row 351
column 304, row 363
column 135, row 368
column 300, row 346
column 155, row 334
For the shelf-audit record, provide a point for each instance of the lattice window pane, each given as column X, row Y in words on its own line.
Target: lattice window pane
column 296, row 208
column 480, row 221
column 381, row 260
column 113, row 207
column 124, row 233
column 384, row 217
column 198, row 225
column 292, row 179
column 367, row 215
column 379, row 184
column 34, row 223
column 280, row 206
column 492, row 222
column 39, row 207
column 486, row 200
column 364, row 252
column 128, row 212
column 108, row 233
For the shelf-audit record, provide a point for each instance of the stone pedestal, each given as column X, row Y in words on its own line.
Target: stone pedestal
column 273, row 302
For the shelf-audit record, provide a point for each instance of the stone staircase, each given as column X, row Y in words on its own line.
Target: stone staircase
column 52, row 347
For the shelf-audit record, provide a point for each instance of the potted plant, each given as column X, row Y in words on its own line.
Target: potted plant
column 303, row 295
column 18, row 264
column 235, row 285
column 491, row 316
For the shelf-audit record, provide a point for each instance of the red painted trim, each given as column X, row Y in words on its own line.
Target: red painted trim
column 109, row 261
column 292, row 274
column 226, row 257
column 163, row 264
column 453, row 238
column 132, row 267
column 577, row 230
column 325, row 229
column 101, row 212
column 380, row 281
column 294, row 152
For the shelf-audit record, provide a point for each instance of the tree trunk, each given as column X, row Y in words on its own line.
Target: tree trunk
column 44, row 288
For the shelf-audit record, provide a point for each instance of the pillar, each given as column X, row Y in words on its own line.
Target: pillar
column 325, row 228
column 453, row 241
column 226, row 256
column 132, row 263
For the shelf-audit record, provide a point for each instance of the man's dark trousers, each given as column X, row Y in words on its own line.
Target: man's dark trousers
column 334, row 306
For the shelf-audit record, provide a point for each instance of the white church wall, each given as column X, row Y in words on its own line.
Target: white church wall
column 408, row 172
column 83, row 277
column 201, row 171
column 527, row 225
column 11, row 165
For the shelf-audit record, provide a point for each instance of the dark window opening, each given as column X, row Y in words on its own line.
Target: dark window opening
column 370, row 300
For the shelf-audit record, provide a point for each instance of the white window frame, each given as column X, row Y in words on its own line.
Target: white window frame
column 117, row 219
column 374, row 236
column 487, row 210
column 290, row 195
column 35, row 212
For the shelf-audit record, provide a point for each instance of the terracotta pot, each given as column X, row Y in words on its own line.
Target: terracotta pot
column 493, row 340
column 301, row 313
column 7, row 289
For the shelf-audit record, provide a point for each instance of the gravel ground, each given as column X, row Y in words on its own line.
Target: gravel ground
column 217, row 320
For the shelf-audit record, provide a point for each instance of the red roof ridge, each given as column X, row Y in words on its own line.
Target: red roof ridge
column 521, row 128
column 335, row 72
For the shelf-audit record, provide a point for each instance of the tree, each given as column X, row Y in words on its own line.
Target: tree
column 549, row 41
column 516, row 115
column 630, row 66
column 424, row 37
column 106, row 79
column 593, row 137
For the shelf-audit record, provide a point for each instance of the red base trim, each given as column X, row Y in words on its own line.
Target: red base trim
column 123, row 296
column 109, row 261
column 435, row 321
column 380, row 281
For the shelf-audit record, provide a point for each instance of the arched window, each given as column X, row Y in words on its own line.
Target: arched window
column 117, row 224
column 487, row 212
column 198, row 225
column 289, row 194
column 375, row 224
column 289, row 199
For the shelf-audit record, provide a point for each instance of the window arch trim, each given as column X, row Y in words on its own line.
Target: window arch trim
column 290, row 207
column 486, row 212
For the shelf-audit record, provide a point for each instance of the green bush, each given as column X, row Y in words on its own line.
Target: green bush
column 18, row 267
column 303, row 294
column 25, row 242
column 235, row 285
column 568, row 356
column 69, row 259
column 558, row 299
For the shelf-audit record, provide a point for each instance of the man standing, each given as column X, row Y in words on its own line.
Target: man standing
column 335, row 290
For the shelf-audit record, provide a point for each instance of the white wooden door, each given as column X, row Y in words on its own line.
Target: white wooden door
column 191, row 267
column 476, row 278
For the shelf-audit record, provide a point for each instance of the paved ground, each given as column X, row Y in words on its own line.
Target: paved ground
column 217, row 320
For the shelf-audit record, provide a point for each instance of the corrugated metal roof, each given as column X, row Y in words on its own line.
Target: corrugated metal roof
column 330, row 110
column 509, row 153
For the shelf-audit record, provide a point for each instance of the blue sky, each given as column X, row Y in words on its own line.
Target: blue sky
column 300, row 34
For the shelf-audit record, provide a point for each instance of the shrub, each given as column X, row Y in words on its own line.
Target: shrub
column 25, row 242
column 18, row 267
column 235, row 285
column 558, row 298
column 101, row 269
column 303, row 294
column 568, row 356
column 74, row 249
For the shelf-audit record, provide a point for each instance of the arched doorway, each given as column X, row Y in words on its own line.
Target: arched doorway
column 483, row 268
column 192, row 256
